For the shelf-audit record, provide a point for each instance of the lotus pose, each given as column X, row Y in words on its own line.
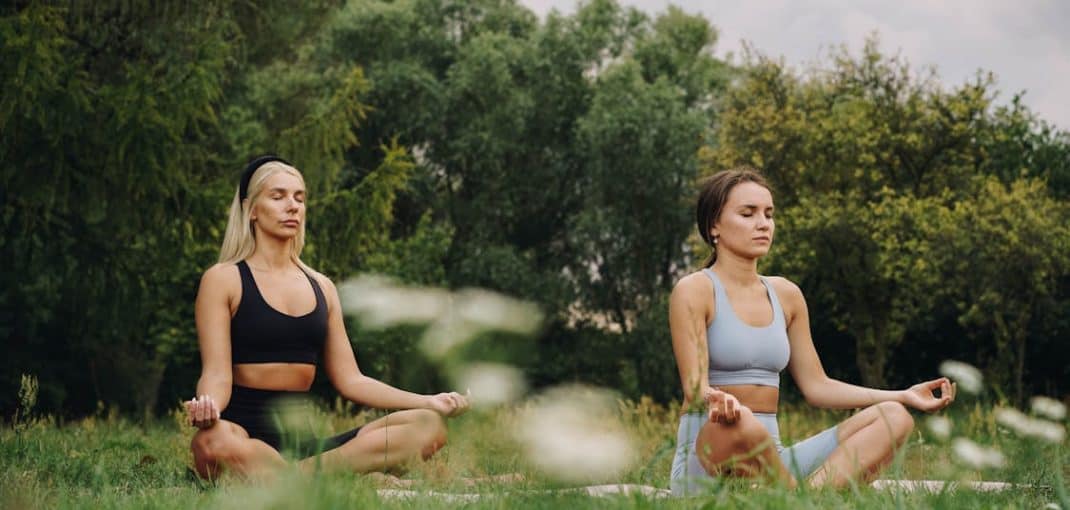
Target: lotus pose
column 734, row 331
column 264, row 319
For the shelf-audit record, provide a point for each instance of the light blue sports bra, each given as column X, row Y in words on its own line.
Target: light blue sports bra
column 741, row 353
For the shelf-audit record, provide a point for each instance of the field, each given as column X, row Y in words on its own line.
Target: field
column 107, row 461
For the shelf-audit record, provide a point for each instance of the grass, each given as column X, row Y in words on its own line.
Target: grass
column 107, row 461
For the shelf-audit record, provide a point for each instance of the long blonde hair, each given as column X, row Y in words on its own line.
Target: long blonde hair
column 239, row 240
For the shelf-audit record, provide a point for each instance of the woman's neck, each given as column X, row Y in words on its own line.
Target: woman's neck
column 736, row 270
column 272, row 253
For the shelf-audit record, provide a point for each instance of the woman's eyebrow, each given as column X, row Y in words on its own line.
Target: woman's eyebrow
column 284, row 190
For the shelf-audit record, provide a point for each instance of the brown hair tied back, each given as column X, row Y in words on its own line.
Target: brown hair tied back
column 712, row 197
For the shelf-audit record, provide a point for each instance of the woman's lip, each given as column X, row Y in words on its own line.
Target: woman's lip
column 292, row 223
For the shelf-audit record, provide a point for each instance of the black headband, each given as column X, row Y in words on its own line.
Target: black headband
column 250, row 169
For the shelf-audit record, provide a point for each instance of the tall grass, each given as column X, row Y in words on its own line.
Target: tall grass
column 107, row 461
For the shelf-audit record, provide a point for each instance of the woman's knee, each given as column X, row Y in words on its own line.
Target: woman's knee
column 212, row 447
column 207, row 447
column 897, row 417
column 434, row 434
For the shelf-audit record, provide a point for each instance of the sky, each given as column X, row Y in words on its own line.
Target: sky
column 1025, row 44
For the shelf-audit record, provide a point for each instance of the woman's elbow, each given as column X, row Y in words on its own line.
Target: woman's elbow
column 814, row 394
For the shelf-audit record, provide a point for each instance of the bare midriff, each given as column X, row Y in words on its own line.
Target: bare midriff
column 275, row 376
column 759, row 399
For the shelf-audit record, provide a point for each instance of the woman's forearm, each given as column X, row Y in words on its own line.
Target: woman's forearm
column 371, row 392
column 833, row 394
column 218, row 388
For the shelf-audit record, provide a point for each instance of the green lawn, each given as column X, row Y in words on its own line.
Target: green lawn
column 106, row 461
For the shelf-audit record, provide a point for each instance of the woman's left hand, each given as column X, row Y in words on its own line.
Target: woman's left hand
column 921, row 396
column 448, row 404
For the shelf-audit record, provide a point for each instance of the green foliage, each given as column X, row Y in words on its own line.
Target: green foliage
column 469, row 143
column 1012, row 244
column 520, row 127
column 866, row 124
column 886, row 275
column 105, row 151
column 108, row 192
column 627, row 236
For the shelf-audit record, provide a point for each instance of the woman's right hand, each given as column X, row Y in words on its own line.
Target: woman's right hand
column 723, row 407
column 202, row 411
column 448, row 404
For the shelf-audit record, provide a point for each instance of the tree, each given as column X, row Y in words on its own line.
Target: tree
column 866, row 124
column 123, row 125
column 1009, row 251
column 874, row 267
column 107, row 121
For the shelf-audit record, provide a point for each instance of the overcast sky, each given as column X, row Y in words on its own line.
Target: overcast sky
column 1026, row 44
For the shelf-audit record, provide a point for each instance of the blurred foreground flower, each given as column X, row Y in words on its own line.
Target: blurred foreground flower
column 490, row 383
column 380, row 302
column 454, row 317
column 473, row 311
column 939, row 427
column 967, row 375
column 574, row 434
column 975, row 455
column 1030, row 427
column 1048, row 408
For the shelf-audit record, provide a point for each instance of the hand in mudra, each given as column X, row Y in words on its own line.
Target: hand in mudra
column 921, row 396
column 202, row 412
column 448, row 404
column 722, row 407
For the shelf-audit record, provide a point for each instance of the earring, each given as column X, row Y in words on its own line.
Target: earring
column 715, row 239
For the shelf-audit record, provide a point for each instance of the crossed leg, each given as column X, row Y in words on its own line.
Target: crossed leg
column 227, row 446
column 867, row 443
column 386, row 443
column 744, row 448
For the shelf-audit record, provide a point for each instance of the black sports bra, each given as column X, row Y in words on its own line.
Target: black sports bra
column 262, row 334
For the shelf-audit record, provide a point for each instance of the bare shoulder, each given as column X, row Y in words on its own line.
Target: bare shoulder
column 695, row 286
column 786, row 290
column 221, row 276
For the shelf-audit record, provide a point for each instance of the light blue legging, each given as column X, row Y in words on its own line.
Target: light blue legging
column 801, row 459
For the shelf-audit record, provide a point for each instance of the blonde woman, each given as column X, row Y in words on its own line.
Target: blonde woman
column 264, row 320
column 734, row 331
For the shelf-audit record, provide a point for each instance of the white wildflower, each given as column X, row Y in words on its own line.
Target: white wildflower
column 975, row 455
column 574, row 434
column 380, row 302
column 498, row 312
column 471, row 312
column 454, row 318
column 967, row 376
column 1030, row 427
column 1048, row 408
column 490, row 383
column 939, row 427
